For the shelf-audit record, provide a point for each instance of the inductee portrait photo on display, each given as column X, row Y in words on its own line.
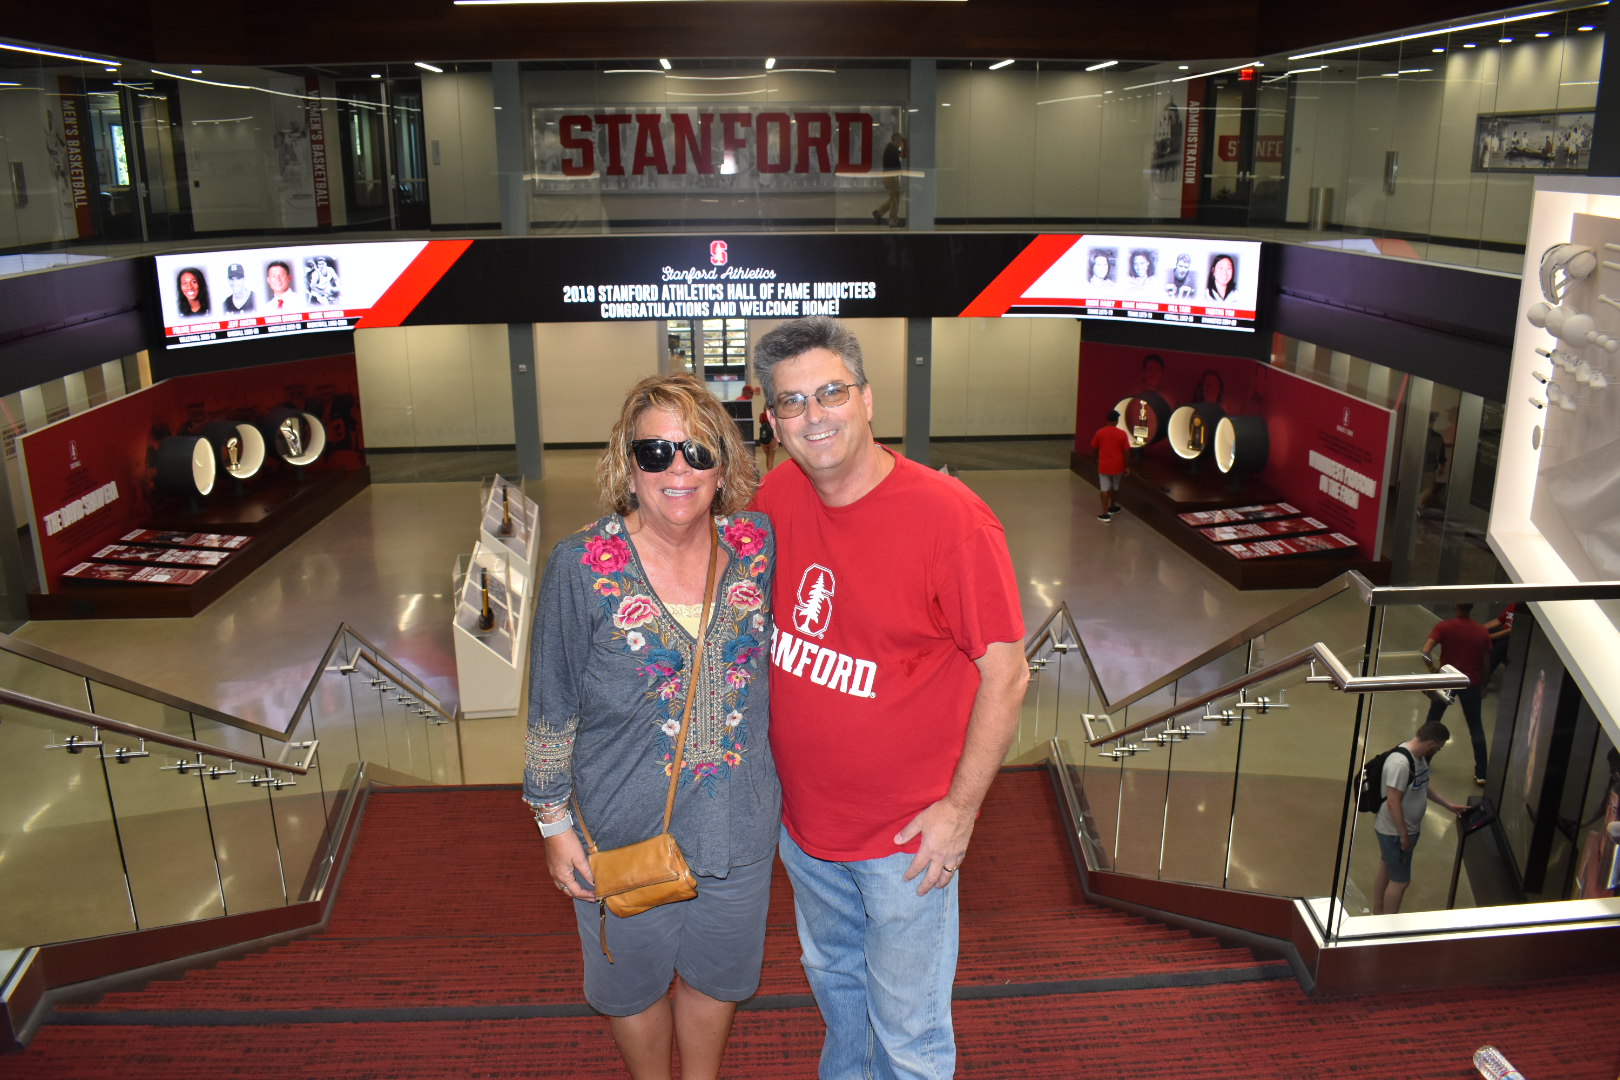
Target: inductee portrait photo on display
column 1222, row 281
column 191, row 293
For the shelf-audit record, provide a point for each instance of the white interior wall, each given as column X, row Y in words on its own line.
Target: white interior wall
column 1347, row 116
column 1004, row 377
column 458, row 119
column 48, row 214
column 583, row 371
column 434, row 386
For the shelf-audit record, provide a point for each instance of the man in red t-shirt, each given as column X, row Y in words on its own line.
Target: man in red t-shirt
column 897, row 673
column 1113, row 447
column 1466, row 646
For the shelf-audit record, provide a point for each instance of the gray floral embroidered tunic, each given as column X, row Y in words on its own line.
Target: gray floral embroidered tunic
column 609, row 668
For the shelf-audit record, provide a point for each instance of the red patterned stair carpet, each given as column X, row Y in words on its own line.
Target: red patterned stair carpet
column 449, row 955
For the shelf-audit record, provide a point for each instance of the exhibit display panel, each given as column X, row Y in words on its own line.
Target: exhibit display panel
column 1555, row 510
column 1222, row 440
column 200, row 478
column 493, row 600
column 219, row 296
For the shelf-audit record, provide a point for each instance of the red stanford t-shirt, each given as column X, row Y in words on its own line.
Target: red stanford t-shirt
column 881, row 608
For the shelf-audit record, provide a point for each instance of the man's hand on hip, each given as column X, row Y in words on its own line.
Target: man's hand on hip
column 945, row 831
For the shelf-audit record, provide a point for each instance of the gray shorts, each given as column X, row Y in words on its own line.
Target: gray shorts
column 715, row 941
column 1108, row 481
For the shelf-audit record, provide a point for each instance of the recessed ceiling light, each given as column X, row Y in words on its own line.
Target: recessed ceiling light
column 665, row 64
column 1181, row 67
column 999, row 64
column 1469, row 45
column 770, row 62
column 1584, row 29
column 1543, row 33
column 1504, row 41
column 1438, row 48
column 374, row 75
column 1104, row 64
column 425, row 66
column 196, row 71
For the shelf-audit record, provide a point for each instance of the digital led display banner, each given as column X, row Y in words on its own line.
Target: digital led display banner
column 221, row 296
column 1212, row 284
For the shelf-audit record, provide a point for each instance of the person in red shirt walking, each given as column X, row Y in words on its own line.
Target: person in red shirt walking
column 1113, row 447
column 1466, row 646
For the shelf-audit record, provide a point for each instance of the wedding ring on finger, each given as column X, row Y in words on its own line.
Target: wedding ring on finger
column 952, row 869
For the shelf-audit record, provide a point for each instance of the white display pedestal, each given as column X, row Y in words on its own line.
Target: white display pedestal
column 492, row 651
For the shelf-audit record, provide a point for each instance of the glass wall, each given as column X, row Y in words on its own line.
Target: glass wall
column 1424, row 147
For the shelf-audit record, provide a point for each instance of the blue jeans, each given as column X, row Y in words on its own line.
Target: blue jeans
column 881, row 961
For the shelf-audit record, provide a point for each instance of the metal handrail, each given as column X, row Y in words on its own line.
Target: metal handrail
column 162, row 738
column 1447, row 678
column 1389, row 595
column 372, row 654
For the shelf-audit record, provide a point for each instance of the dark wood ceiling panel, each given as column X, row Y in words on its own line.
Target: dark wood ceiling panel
column 371, row 31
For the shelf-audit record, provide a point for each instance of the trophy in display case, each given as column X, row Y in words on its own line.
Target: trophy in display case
column 486, row 615
column 1195, row 435
column 1192, row 429
column 506, row 511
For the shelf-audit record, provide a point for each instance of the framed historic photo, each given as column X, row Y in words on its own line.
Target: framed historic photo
column 1537, row 142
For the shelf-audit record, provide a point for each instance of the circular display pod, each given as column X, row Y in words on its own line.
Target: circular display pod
column 185, row 465
column 1242, row 444
column 1143, row 417
column 1192, row 429
column 239, row 448
column 297, row 437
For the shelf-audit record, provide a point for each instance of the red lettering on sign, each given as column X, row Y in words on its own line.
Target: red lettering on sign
column 583, row 145
column 854, row 142
column 815, row 137
column 1227, row 147
column 772, row 153
column 615, row 158
column 649, row 145
column 698, row 144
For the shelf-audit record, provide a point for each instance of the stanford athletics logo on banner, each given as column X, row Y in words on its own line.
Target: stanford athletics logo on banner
column 739, row 148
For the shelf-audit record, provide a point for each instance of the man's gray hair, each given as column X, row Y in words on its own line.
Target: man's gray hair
column 794, row 339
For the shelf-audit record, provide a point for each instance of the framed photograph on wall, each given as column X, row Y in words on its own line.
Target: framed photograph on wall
column 1540, row 142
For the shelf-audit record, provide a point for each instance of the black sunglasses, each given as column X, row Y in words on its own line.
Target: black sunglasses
column 656, row 455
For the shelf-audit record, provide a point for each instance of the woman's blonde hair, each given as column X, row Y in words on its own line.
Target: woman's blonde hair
column 706, row 421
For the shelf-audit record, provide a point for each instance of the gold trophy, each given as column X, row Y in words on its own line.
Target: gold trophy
column 506, row 512
column 486, row 617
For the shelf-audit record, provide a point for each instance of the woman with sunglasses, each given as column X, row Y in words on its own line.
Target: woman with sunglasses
column 616, row 632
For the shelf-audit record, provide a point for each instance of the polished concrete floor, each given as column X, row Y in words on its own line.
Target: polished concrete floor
column 384, row 564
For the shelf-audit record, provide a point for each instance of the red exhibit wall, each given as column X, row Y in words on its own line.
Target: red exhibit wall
column 90, row 477
column 1329, row 450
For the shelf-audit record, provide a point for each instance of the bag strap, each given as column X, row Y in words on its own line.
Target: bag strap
column 686, row 713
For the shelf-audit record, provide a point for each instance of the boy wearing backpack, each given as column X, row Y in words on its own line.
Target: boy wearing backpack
column 1406, row 790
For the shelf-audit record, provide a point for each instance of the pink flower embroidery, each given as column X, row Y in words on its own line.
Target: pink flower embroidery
column 606, row 554
column 606, row 586
column 635, row 611
column 745, row 596
column 669, row 690
column 732, row 758
column 757, row 567
column 738, row 677
column 745, row 538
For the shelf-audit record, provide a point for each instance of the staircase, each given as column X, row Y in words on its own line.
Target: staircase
column 449, row 956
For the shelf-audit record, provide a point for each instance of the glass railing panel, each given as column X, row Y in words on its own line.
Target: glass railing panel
column 1223, row 669
column 1198, row 800
column 1339, row 622
column 1289, row 790
column 63, row 870
column 1099, row 785
column 245, row 839
column 304, row 808
column 41, row 680
column 401, row 729
column 1059, row 693
column 444, row 753
column 1144, row 783
column 167, row 841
